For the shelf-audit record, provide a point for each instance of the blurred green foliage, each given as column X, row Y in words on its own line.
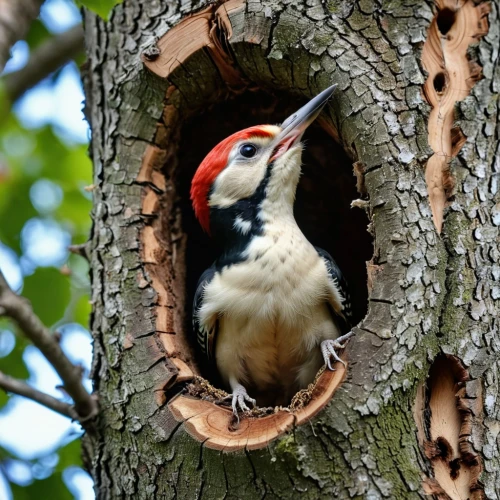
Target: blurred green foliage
column 59, row 294
column 43, row 488
column 49, row 293
column 51, row 487
column 38, row 34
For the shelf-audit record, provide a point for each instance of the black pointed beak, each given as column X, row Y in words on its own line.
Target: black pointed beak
column 295, row 125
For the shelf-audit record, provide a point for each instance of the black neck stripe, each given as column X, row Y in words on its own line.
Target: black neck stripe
column 229, row 238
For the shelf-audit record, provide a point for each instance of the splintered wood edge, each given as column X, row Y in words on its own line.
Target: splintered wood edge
column 202, row 30
column 445, row 57
column 208, row 29
column 453, row 404
column 211, row 424
column 174, row 347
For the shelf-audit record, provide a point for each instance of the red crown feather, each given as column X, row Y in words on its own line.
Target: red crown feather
column 212, row 166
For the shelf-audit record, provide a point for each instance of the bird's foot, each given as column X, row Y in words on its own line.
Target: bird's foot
column 328, row 349
column 238, row 399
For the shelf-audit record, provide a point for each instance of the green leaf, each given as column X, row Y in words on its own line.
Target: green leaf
column 69, row 455
column 13, row 364
column 37, row 34
column 5, row 105
column 101, row 7
column 3, row 398
column 15, row 210
column 49, row 293
column 82, row 311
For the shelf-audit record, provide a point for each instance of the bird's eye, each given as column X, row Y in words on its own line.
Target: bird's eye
column 248, row 150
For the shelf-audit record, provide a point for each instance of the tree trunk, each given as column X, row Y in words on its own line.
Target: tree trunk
column 416, row 411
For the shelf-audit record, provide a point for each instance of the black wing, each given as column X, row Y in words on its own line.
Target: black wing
column 344, row 322
column 205, row 336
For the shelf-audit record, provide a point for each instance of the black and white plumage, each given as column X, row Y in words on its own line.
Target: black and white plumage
column 205, row 337
column 345, row 319
column 273, row 308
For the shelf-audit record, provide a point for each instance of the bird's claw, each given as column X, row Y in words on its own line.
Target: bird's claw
column 239, row 398
column 328, row 349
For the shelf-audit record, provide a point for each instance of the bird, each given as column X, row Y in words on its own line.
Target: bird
column 273, row 308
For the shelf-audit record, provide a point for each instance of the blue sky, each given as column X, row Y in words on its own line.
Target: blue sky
column 59, row 105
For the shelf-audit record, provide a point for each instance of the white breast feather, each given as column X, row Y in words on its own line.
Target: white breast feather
column 243, row 226
column 272, row 310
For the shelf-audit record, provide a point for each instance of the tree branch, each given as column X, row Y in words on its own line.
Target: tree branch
column 20, row 310
column 10, row 384
column 46, row 59
column 82, row 250
column 16, row 17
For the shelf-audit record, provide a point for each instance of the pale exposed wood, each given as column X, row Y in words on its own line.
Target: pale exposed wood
column 174, row 345
column 451, row 76
column 151, row 245
column 181, row 42
column 212, row 424
column 372, row 271
column 153, row 160
column 445, row 419
column 185, row 372
column 208, row 28
column 221, row 32
column 456, row 465
column 150, row 202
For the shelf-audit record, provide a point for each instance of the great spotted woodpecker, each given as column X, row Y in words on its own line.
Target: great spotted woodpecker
column 272, row 308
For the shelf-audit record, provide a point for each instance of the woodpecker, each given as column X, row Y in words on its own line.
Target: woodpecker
column 273, row 308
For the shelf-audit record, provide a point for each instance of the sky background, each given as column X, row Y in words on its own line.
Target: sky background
column 28, row 430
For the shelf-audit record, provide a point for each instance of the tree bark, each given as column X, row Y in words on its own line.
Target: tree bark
column 418, row 410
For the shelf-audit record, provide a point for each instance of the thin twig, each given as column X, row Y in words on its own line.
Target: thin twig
column 82, row 250
column 44, row 60
column 10, row 384
column 19, row 309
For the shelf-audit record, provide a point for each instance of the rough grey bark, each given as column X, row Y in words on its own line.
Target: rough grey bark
column 429, row 293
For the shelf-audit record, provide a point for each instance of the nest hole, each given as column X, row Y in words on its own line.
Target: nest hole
column 448, row 413
column 439, row 83
column 322, row 209
column 445, row 20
